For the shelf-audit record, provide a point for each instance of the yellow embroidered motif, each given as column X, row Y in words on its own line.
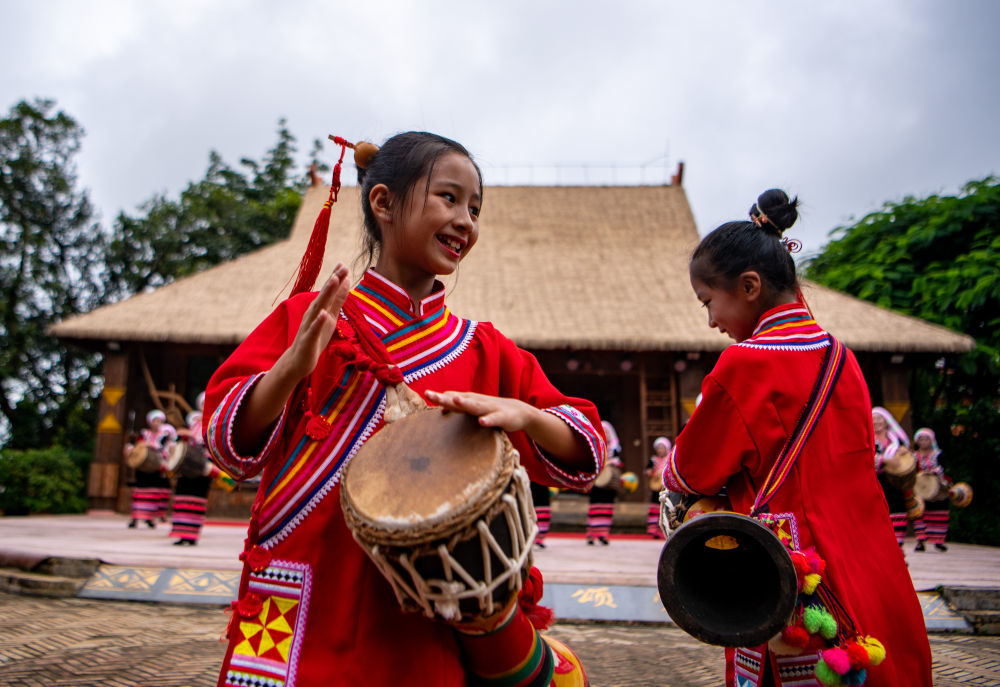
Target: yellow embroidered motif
column 270, row 634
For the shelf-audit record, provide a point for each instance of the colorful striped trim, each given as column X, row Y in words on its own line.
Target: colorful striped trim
column 787, row 328
column 579, row 423
column 833, row 363
column 313, row 468
column 672, row 477
column 220, row 434
column 354, row 409
column 536, row 670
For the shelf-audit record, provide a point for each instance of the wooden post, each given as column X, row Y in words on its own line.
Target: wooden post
column 894, row 378
column 102, row 483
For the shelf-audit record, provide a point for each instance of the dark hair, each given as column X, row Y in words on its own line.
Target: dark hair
column 399, row 163
column 737, row 247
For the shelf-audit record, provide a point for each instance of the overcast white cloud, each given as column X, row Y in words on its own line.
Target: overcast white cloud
column 846, row 104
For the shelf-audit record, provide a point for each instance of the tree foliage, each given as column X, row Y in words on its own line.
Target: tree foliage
column 57, row 261
column 938, row 258
column 228, row 213
column 51, row 261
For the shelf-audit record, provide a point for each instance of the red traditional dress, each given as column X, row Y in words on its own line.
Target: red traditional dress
column 831, row 500
column 151, row 495
column 313, row 608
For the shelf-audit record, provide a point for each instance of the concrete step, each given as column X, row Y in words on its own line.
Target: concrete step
column 39, row 584
column 983, row 622
column 980, row 606
column 64, row 566
column 972, row 598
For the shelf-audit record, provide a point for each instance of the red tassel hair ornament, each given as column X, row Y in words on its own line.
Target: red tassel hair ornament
column 312, row 259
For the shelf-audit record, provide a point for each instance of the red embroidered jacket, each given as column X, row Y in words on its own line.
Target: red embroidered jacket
column 313, row 609
column 831, row 500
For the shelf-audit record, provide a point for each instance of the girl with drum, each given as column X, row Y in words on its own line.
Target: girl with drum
column 891, row 449
column 299, row 397
column 601, row 500
column 654, row 471
column 829, row 500
column 151, row 494
column 932, row 525
column 194, row 480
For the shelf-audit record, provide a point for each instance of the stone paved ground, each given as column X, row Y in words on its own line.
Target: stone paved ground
column 78, row 642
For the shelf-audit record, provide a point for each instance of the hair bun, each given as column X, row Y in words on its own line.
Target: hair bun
column 364, row 153
column 774, row 212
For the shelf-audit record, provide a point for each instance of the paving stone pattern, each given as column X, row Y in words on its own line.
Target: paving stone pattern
column 83, row 642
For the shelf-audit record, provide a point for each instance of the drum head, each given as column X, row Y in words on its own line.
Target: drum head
column 906, row 463
column 424, row 471
column 137, row 456
column 176, row 456
column 929, row 487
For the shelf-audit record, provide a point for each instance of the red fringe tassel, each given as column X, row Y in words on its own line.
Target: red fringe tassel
column 312, row 259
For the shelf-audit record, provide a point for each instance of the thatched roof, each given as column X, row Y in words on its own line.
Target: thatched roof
column 555, row 267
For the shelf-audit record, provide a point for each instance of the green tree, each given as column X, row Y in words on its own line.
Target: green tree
column 51, row 261
column 938, row 258
column 228, row 213
column 56, row 261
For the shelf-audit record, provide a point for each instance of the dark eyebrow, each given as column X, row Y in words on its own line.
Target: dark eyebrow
column 457, row 186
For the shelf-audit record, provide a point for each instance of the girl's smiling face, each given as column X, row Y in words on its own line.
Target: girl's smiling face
column 733, row 312
column 438, row 225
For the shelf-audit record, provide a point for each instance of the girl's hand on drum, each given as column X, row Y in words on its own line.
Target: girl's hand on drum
column 513, row 415
column 508, row 414
column 317, row 326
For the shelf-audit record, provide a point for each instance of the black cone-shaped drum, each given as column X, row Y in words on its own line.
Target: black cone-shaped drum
column 727, row 580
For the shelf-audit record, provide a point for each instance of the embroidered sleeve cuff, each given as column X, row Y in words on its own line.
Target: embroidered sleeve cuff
column 579, row 423
column 220, row 434
column 672, row 479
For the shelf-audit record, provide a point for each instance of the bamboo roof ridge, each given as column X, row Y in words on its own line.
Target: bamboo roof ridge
column 582, row 267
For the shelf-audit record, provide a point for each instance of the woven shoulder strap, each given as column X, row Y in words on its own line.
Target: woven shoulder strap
column 829, row 372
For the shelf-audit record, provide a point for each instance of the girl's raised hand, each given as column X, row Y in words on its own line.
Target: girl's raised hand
column 317, row 326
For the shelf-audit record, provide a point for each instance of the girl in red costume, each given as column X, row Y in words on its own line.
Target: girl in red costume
column 298, row 398
column 830, row 501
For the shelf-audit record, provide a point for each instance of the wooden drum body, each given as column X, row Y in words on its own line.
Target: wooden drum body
column 187, row 460
column 143, row 458
column 442, row 507
column 930, row 486
column 902, row 471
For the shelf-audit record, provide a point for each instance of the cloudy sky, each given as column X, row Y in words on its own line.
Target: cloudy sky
column 847, row 104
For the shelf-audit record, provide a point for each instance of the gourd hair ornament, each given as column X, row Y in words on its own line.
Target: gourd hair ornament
column 759, row 218
column 312, row 259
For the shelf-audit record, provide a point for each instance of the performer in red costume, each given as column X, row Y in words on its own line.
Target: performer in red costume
column 299, row 397
column 830, row 500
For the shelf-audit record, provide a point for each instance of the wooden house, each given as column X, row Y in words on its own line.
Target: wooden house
column 591, row 279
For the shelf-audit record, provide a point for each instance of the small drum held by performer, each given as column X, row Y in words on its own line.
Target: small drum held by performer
column 442, row 507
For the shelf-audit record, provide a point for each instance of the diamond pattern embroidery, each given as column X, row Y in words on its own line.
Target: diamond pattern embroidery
column 269, row 636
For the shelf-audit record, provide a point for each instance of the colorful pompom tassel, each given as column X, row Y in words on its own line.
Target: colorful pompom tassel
column 837, row 659
column 876, row 652
column 855, row 677
column 857, row 654
column 810, row 582
column 812, row 618
column 826, row 675
column 828, row 626
column 796, row 635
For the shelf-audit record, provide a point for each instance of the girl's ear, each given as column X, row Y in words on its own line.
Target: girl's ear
column 380, row 200
column 750, row 285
